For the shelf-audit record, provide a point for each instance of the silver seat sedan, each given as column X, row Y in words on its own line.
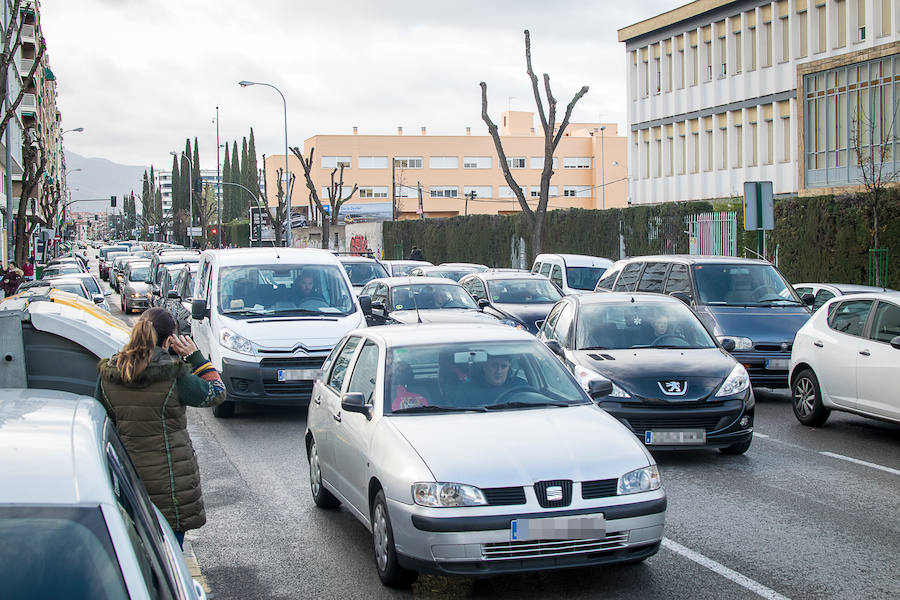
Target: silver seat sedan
column 472, row 450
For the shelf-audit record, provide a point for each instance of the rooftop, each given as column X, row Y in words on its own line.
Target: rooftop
column 676, row 15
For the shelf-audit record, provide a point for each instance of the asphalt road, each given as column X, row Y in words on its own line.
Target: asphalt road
column 806, row 513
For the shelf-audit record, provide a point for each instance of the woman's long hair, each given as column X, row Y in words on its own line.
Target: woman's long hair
column 151, row 330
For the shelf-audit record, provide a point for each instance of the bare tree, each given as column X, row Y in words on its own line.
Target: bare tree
column 33, row 163
column 12, row 41
column 278, row 219
column 552, row 137
column 336, row 198
column 206, row 206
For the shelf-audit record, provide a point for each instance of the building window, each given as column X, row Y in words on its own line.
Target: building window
column 332, row 162
column 770, row 142
column 408, row 162
column 576, row 162
column 802, row 38
column 822, row 28
column 516, row 162
column 786, row 139
column 840, row 9
column 738, row 52
column 504, row 191
column 405, row 191
column 537, row 162
column 577, row 191
column 373, row 162
column 481, row 191
column 754, row 146
column 752, row 66
column 885, row 17
column 443, row 162
column 767, row 44
column 373, row 191
column 860, row 20
column 443, row 191
column 695, row 143
column 723, row 147
column 477, row 162
column 345, row 192
column 535, row 191
column 785, row 40
column 738, row 146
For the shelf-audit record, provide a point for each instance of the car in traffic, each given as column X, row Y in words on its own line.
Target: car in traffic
column 399, row 268
column 134, row 291
column 519, row 300
column 572, row 273
column 103, row 255
column 179, row 298
column 674, row 385
column 75, row 519
column 361, row 270
column 394, row 300
column 61, row 269
column 117, row 268
column 64, row 283
column 846, row 358
column 477, row 267
column 745, row 300
column 92, row 286
column 454, row 273
column 158, row 266
column 471, row 450
column 823, row 292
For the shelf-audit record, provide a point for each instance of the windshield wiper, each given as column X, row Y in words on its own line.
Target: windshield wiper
column 520, row 404
column 427, row 409
column 247, row 312
column 296, row 311
column 791, row 300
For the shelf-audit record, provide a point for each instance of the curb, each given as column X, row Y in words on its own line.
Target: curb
column 194, row 567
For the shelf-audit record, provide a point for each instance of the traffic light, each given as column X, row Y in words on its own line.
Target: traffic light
column 214, row 231
column 112, row 201
column 96, row 217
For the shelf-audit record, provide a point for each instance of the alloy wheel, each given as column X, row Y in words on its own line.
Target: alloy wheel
column 380, row 536
column 315, row 473
column 804, row 397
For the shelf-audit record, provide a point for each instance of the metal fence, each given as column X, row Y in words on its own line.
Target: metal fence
column 712, row 233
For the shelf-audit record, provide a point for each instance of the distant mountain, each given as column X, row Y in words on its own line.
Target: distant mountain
column 99, row 179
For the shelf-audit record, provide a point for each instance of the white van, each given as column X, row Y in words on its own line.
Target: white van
column 572, row 273
column 268, row 317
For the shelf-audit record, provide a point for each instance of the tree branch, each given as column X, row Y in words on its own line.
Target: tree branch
column 504, row 165
column 534, row 81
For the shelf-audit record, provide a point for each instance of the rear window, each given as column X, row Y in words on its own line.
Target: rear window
column 584, row 278
column 629, row 277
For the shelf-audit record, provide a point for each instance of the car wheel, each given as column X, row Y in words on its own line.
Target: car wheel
column 224, row 410
column 389, row 570
column 738, row 448
column 322, row 497
column 806, row 398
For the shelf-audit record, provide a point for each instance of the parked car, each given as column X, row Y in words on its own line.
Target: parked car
column 846, row 358
column 361, row 270
column 180, row 297
column 395, row 300
column 483, row 501
column 75, row 519
column 399, row 268
column 745, row 300
column 519, row 300
column 116, row 270
column 60, row 269
column 454, row 273
column 572, row 273
column 134, row 291
column 268, row 317
column 91, row 285
column 823, row 292
column 67, row 260
column 167, row 257
column 674, row 385
column 63, row 283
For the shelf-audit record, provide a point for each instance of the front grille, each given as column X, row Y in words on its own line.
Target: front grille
column 641, row 425
column 772, row 348
column 546, row 548
column 294, row 388
column 540, row 489
column 299, row 362
column 601, row 488
column 504, row 496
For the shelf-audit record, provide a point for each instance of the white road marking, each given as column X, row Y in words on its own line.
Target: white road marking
column 861, row 462
column 720, row 569
column 761, row 435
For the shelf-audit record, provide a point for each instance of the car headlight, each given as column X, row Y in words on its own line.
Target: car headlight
column 645, row 479
column 238, row 343
column 135, row 295
column 740, row 343
column 586, row 376
column 440, row 495
column 737, row 381
column 512, row 323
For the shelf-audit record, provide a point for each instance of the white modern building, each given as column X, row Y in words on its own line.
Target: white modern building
column 721, row 92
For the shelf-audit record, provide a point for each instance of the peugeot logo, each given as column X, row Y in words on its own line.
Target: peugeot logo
column 673, row 387
column 554, row 493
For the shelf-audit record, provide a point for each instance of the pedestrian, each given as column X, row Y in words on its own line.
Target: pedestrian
column 28, row 269
column 416, row 254
column 12, row 277
column 145, row 390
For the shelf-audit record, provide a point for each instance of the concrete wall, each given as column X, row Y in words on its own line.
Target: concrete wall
column 357, row 237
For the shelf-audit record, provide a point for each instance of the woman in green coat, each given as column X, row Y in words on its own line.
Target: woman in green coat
column 145, row 391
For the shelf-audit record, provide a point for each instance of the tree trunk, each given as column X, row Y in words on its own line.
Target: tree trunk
column 326, row 233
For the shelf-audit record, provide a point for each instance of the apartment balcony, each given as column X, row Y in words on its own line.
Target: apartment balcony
column 28, row 33
column 25, row 66
column 28, row 106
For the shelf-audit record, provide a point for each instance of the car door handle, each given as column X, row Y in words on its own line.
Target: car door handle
column 818, row 344
column 865, row 352
column 336, row 417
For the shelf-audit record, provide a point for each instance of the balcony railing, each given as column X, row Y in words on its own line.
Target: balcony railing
column 28, row 33
column 26, row 65
column 29, row 101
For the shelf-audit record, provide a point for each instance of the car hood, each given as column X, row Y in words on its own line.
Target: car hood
column 289, row 333
column 137, row 287
column 639, row 371
column 443, row 315
column 581, row 443
column 774, row 324
column 527, row 314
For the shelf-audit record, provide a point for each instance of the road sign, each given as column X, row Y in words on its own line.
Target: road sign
column 195, row 231
column 759, row 207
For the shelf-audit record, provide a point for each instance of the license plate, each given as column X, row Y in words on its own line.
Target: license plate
column 777, row 364
column 297, row 374
column 674, row 438
column 558, row 528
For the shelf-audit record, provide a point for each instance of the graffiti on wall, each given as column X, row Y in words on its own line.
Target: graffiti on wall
column 359, row 245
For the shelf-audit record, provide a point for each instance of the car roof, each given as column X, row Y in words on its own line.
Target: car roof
column 623, row 298
column 356, row 259
column 577, row 260
column 51, row 448
column 404, row 280
column 847, row 288
column 463, row 264
column 696, row 259
column 263, row 256
column 878, row 295
column 423, row 263
column 440, row 333
column 494, row 275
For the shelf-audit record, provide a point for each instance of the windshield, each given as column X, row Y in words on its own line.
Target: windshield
column 639, row 325
column 253, row 290
column 106, row 251
column 361, row 273
column 401, row 269
column 584, row 278
column 523, row 291
column 91, row 284
column 477, row 376
column 32, row 564
column 407, row 297
column 71, row 288
column 743, row 285
column 455, row 274
column 139, row 273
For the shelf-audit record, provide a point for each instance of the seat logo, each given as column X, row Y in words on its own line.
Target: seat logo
column 554, row 493
column 673, row 387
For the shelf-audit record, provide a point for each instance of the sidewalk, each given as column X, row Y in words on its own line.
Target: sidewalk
column 191, row 559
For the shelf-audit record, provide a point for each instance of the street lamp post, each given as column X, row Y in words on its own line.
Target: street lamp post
column 190, row 196
column 258, row 206
column 602, row 167
column 287, row 172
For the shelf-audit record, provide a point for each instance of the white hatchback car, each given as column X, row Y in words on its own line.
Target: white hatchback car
column 846, row 358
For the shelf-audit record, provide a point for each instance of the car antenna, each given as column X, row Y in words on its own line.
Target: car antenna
column 632, row 299
column 416, row 304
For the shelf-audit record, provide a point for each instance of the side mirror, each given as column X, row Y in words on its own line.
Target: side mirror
column 355, row 402
column 483, row 303
column 554, row 347
column 378, row 306
column 199, row 311
column 728, row 344
column 148, row 281
column 808, row 299
column 107, row 293
column 99, row 299
column 173, row 295
column 683, row 296
column 895, row 342
column 600, row 388
column 365, row 303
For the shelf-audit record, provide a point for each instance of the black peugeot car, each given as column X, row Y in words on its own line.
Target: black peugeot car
column 520, row 300
column 674, row 384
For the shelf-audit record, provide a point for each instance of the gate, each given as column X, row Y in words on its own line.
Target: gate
column 712, row 233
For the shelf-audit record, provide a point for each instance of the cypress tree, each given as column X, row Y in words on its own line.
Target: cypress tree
column 176, row 186
column 197, row 176
column 253, row 184
column 245, row 176
column 146, row 204
column 235, row 178
column 226, row 189
column 187, row 171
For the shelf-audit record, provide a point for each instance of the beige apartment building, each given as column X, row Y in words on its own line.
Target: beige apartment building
column 450, row 168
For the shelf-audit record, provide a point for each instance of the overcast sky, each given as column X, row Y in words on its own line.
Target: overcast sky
column 142, row 75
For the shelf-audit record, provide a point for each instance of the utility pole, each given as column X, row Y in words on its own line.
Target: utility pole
column 421, row 206
column 393, row 189
column 470, row 196
column 602, row 167
column 218, row 183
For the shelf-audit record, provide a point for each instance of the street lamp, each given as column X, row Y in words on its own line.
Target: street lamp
column 190, row 194
column 76, row 130
column 287, row 172
column 602, row 167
